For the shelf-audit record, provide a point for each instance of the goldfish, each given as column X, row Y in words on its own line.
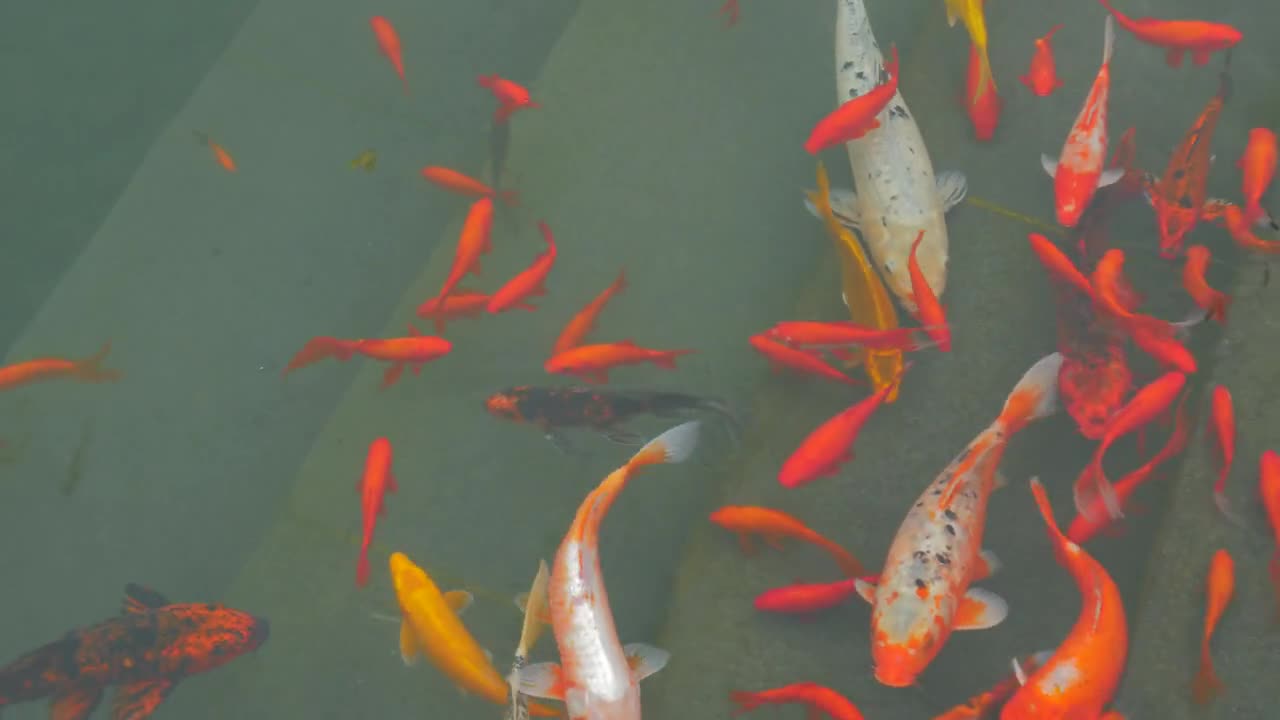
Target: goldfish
column 806, row 597
column 815, row 334
column 462, row 302
column 415, row 350
column 1058, row 265
column 367, row 160
column 1042, row 77
column 820, row 700
column 773, row 525
column 88, row 370
column 730, row 11
column 220, row 153
column 929, row 311
column 1082, row 674
column 970, row 13
column 473, row 242
column 987, row 703
column 389, row 45
column 1269, row 489
column 1237, row 224
column 830, row 445
column 984, row 108
column 1078, row 172
column 804, row 361
column 581, row 324
column 924, row 593
column 1222, row 426
column 1214, row 302
column 454, row 181
column 1220, row 586
column 1145, row 405
column 374, row 485
column 430, row 626
column 1257, row 168
column 146, row 652
column 1179, row 37
column 553, row 409
column 857, row 116
column 593, row 362
column 1178, row 197
column 597, row 677
column 528, row 282
column 511, row 96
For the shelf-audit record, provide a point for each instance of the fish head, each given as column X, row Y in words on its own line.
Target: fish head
column 212, row 636
column 1174, row 221
column 1069, row 211
column 907, row 632
column 505, row 404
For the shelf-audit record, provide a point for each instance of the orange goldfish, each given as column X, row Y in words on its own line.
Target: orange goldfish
column 806, row 597
column 593, row 362
column 1269, row 489
column 819, row 700
column 1220, row 586
column 830, row 445
column 986, row 704
column 86, row 370
column 983, row 108
column 928, row 310
column 1179, row 37
column 528, row 282
column 804, row 361
column 730, row 12
column 472, row 243
column 511, row 96
column 857, row 116
column 374, row 485
column 1042, row 77
column 1214, row 302
column 1078, row 172
column 1257, row 168
column 773, row 525
column 455, row 181
column 924, row 593
column 1081, row 676
column 1233, row 218
column 389, row 45
column 415, row 349
column 597, row 677
column 219, row 153
column 843, row 333
column 1222, row 426
column 582, row 323
column 462, row 302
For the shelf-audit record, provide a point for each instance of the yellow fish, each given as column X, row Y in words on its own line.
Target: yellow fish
column 970, row 13
column 864, row 292
column 366, row 161
column 430, row 626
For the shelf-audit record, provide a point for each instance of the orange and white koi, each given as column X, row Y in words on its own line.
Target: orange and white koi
column 857, row 116
column 830, row 445
column 818, row 699
column 1219, row 587
column 1269, row 489
column 924, row 592
column 1257, row 168
column 805, row 361
column 1179, row 37
column 597, row 677
column 1078, row 172
column 986, row 704
column 473, row 242
column 374, row 485
column 389, row 45
column 49, row 368
column 457, row 182
column 528, row 282
column 983, row 107
column 1214, row 302
column 1081, row 676
column 1042, row 77
column 929, row 311
column 581, row 324
column 774, row 525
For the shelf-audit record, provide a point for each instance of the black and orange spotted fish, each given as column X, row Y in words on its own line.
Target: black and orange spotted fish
column 553, row 409
column 146, row 651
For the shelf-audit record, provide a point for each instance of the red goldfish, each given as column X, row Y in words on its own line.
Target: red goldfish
column 928, row 310
column 1269, row 489
column 1179, row 37
column 983, row 108
column 830, row 445
column 806, row 597
column 819, row 700
column 85, row 370
column 473, row 242
column 415, row 350
column 455, row 181
column 804, row 361
column 843, row 333
column 511, row 96
column 1042, row 77
column 462, row 302
column 593, row 362
column 856, row 117
column 1214, row 302
column 1222, row 426
column 219, row 153
column 376, row 482
column 1219, row 587
column 527, row 282
column 1257, row 168
column 389, row 45
column 773, row 525
column 581, row 324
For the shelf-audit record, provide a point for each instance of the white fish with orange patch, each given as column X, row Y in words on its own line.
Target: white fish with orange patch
column 923, row 593
column 597, row 677
column 1078, row 172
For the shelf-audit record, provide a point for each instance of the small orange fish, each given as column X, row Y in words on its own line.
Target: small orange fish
column 1257, row 168
column 415, row 350
column 528, row 282
column 473, row 242
column 804, row 361
column 1112, row 292
column 87, row 370
column 1222, row 427
column 804, row 598
column 1269, row 489
column 511, row 96
column 219, row 153
column 593, row 362
column 389, row 45
column 819, row 700
column 461, row 303
column 856, row 117
column 1214, row 302
column 457, row 182
column 773, row 526
column 582, row 323
column 1220, row 586
column 842, row 333
column 730, row 12
column 376, row 482
column 1159, row 339
column 1179, row 37
column 831, row 444
column 1232, row 217
column 1042, row 77
column 985, row 705
column 1058, row 264
column 928, row 310
column 983, row 108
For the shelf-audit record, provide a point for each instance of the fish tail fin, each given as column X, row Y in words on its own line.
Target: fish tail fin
column 510, row 197
column 1108, row 39
column 1093, row 493
column 362, row 569
column 1034, row 397
column 849, row 564
column 667, row 359
column 746, row 701
column 1046, row 512
column 90, row 369
column 672, row 446
column 1207, row 685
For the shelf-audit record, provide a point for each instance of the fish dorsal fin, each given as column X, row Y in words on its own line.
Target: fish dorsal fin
column 866, row 589
column 139, row 699
column 76, row 704
column 140, row 599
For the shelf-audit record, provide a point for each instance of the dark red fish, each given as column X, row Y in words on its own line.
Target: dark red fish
column 146, row 651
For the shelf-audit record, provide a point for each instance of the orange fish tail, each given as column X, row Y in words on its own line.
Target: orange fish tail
column 746, row 701
column 90, row 369
column 362, row 568
column 667, row 359
column 1275, row 579
column 1206, row 686
column 849, row 564
column 510, row 197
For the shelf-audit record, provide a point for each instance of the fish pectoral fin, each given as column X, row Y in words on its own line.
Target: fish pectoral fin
column 645, row 660
column 980, row 609
column 136, row 701
column 409, row 650
column 488, row 654
column 1049, row 164
column 866, row 590
column 140, row 599
column 622, row 437
column 1110, row 176
column 76, row 704
column 458, row 600
column 542, row 680
column 988, row 565
column 952, row 187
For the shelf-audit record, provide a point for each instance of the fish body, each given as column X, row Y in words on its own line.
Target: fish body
column 1213, row 302
column 462, row 184
column 473, row 242
column 374, row 485
column 924, row 592
column 389, row 45
column 806, row 597
column 578, row 327
column 856, row 116
column 462, row 302
column 593, row 362
column 1269, row 490
column 1179, row 37
column 1257, row 168
column 40, row 369
column 970, row 13
column 576, row 406
column 830, row 445
column 528, row 282
column 1219, row 587
column 413, row 350
column 819, row 700
column 798, row 359
column 773, row 525
column 1042, row 77
column 982, row 98
column 145, row 651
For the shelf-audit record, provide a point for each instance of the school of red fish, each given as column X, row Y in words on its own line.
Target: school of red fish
column 924, row 589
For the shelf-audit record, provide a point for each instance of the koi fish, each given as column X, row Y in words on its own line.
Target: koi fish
column 804, row 361
column 593, row 362
column 462, row 302
column 928, row 310
column 1081, row 676
column 88, row 370
column 924, row 592
column 415, row 350
column 374, row 485
column 1179, row 37
column 975, row 22
column 855, row 117
column 1078, row 172
column 1269, row 489
column 1257, row 168
column 528, row 282
column 830, row 445
column 1220, row 587
column 597, row 676
column 582, row 323
column 985, row 705
column 389, row 45
column 220, row 153
column 146, row 652
column 983, row 108
column 430, row 626
column 815, row 334
column 1179, row 196
column 454, row 181
column 774, row 525
column 1042, row 77
column 511, row 96
column 1222, row 426
column 1214, row 302
column 806, row 597
column 552, row 409
column 818, row 700
column 473, row 242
